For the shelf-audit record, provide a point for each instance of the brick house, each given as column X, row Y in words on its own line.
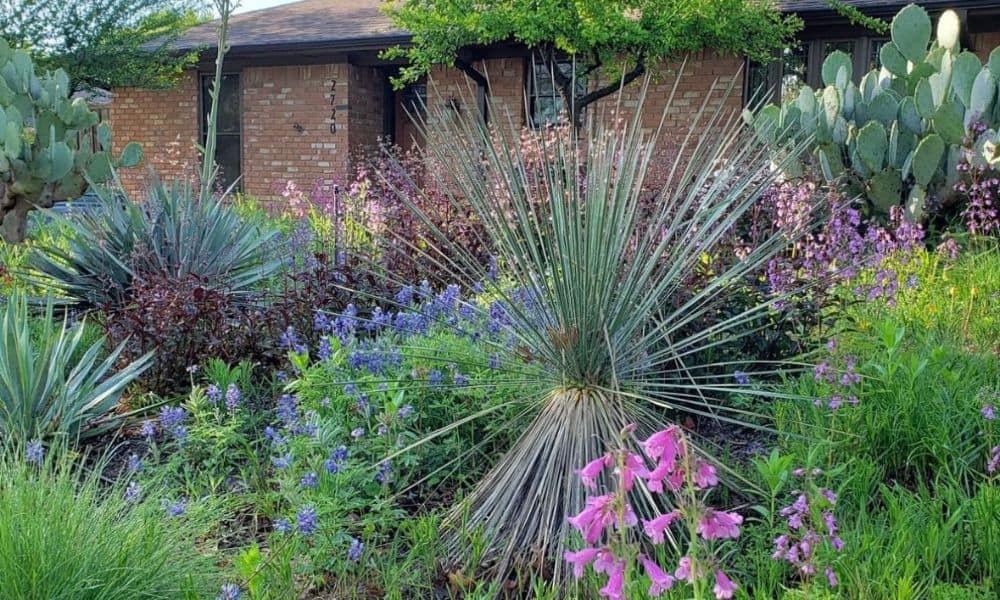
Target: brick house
column 306, row 94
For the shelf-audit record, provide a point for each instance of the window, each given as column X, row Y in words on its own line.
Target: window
column 780, row 78
column 802, row 65
column 228, row 140
column 544, row 99
column 845, row 46
column 794, row 66
column 875, row 46
column 415, row 98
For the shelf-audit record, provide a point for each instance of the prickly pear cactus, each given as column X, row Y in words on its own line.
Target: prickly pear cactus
column 896, row 137
column 46, row 143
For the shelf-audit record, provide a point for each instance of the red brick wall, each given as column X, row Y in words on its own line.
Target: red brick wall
column 165, row 122
column 506, row 76
column 288, row 113
column 705, row 75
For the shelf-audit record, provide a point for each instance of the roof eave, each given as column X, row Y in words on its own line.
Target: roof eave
column 358, row 44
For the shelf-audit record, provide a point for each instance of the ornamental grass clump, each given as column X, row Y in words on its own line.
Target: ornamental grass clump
column 67, row 532
column 593, row 297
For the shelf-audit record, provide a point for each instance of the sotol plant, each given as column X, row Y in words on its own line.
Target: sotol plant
column 896, row 137
column 595, row 297
column 47, row 142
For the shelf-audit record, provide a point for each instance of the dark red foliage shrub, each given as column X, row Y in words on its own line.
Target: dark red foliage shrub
column 186, row 320
column 403, row 246
column 183, row 321
column 323, row 283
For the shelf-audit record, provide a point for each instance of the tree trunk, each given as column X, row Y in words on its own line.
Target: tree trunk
column 15, row 222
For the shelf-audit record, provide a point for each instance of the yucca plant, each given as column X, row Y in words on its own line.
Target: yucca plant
column 171, row 234
column 52, row 383
column 597, row 295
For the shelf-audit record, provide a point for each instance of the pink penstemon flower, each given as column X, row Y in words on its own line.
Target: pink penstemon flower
column 592, row 470
column 581, row 559
column 661, row 580
column 606, row 522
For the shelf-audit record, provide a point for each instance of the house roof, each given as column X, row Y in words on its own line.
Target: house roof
column 348, row 23
column 873, row 6
column 359, row 24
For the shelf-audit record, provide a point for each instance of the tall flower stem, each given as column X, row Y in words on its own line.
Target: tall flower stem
column 225, row 8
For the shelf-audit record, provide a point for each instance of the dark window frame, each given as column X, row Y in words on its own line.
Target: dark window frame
column 533, row 66
column 204, row 100
column 815, row 55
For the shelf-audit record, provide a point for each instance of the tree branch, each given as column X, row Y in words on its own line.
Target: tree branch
column 596, row 64
column 481, row 82
column 594, row 96
column 467, row 68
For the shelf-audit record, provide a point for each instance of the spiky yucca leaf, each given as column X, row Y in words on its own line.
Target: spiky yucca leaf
column 171, row 233
column 52, row 382
column 599, row 306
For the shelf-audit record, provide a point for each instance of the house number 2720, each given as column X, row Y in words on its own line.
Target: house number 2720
column 333, row 106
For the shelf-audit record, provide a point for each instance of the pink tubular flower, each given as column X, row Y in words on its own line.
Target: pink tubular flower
column 705, row 477
column 654, row 479
column 665, row 473
column 831, row 577
column 683, row 571
column 630, row 519
column 581, row 559
column 598, row 514
column 633, row 467
column 616, row 578
column 605, row 561
column 664, row 445
column 724, row 587
column 589, row 473
column 654, row 528
column 717, row 525
column 661, row 580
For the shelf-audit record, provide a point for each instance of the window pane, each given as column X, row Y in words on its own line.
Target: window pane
column 228, row 139
column 845, row 46
column 542, row 81
column 547, row 110
column 415, row 98
column 876, row 47
column 758, row 87
column 794, row 62
column 546, row 100
column 227, row 156
column 229, row 103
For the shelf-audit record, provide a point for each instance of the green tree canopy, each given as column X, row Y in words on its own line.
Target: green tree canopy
column 629, row 36
column 103, row 43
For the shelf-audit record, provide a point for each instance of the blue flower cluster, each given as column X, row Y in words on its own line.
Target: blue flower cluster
column 172, row 419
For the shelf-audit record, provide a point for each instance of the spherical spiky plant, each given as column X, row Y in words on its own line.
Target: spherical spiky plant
column 596, row 292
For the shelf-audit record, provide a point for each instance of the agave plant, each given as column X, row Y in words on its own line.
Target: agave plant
column 171, row 234
column 597, row 295
column 53, row 381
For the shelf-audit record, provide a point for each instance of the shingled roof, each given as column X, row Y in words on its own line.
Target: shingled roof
column 872, row 6
column 348, row 23
column 357, row 24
